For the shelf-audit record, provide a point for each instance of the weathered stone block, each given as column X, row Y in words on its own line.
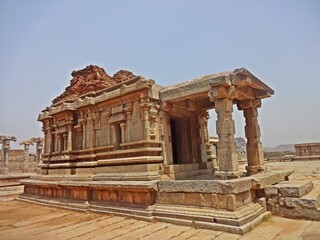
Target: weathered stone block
column 177, row 198
column 206, row 200
column 192, row 199
column 300, row 203
column 214, row 200
column 139, row 198
column 231, row 202
column 113, row 196
column 271, row 191
column 105, row 196
column 128, row 197
column 163, row 198
column 222, row 201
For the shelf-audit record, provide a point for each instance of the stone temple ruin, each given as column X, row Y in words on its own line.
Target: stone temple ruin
column 125, row 145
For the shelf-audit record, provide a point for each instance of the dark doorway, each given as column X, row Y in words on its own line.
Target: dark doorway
column 174, row 140
column 181, row 140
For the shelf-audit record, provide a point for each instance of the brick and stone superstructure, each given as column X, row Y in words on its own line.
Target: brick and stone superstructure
column 126, row 144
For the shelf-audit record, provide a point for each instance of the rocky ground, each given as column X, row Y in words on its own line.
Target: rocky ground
column 23, row 220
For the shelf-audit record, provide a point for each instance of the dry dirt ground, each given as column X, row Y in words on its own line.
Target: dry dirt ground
column 23, row 220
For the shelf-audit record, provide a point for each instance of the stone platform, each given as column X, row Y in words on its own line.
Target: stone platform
column 234, row 205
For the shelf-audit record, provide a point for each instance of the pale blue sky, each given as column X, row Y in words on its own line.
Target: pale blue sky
column 42, row 42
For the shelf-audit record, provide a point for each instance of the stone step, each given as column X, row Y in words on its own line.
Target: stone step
column 238, row 221
column 292, row 188
column 305, row 207
column 313, row 197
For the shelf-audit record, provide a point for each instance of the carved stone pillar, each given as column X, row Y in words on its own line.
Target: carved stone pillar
column 26, row 145
column 228, row 159
column 39, row 148
column 203, row 119
column 252, row 131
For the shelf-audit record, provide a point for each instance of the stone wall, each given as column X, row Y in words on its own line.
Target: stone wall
column 307, row 151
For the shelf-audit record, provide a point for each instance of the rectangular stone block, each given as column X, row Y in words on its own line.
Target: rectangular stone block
column 105, row 196
column 163, row 197
column 214, row 200
column 271, row 191
column 127, row 197
column 231, row 202
column 177, row 198
column 192, row 199
column 206, row 200
column 139, row 197
column 222, row 201
column 113, row 196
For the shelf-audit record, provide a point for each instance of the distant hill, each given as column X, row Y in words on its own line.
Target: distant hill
column 280, row 148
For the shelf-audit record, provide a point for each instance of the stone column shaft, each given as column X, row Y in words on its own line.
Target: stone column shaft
column 228, row 159
column 254, row 148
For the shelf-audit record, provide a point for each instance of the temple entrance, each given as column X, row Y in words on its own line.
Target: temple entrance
column 182, row 150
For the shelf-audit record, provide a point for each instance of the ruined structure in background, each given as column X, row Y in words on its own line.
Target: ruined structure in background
column 124, row 144
column 5, row 141
column 307, row 151
column 17, row 161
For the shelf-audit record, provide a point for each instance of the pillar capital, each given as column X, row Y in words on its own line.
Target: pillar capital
column 249, row 103
column 221, row 92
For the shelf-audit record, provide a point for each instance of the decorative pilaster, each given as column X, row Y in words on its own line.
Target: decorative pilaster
column 69, row 140
column 255, row 156
column 128, row 110
column 145, row 105
column 56, row 140
column 65, row 136
column 123, row 131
